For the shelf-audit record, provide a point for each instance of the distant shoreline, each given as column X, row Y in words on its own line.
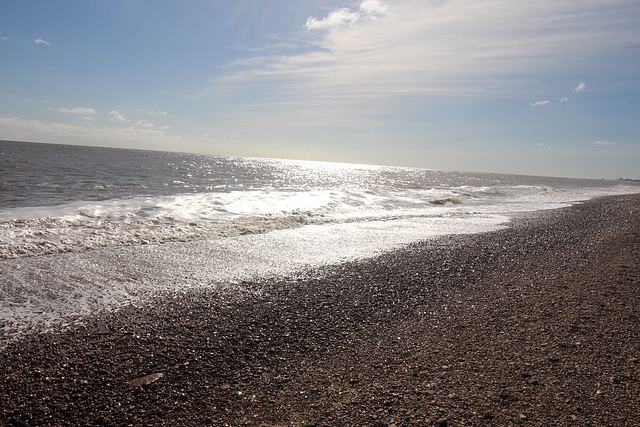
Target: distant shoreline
column 538, row 324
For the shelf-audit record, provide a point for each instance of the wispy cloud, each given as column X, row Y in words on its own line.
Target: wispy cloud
column 4, row 38
column 17, row 128
column 580, row 88
column 78, row 110
column 539, row 103
column 40, row 41
column 605, row 143
column 454, row 47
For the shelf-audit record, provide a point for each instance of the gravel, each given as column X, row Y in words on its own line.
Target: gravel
column 537, row 324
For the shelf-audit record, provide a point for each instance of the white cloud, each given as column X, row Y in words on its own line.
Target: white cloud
column 79, row 110
column 539, row 103
column 334, row 19
column 374, row 8
column 144, row 123
column 40, row 41
column 119, row 118
column 580, row 87
column 87, row 118
column 564, row 99
column 160, row 113
column 343, row 16
column 605, row 143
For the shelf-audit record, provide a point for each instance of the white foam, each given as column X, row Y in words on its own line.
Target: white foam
column 42, row 292
column 216, row 240
column 80, row 225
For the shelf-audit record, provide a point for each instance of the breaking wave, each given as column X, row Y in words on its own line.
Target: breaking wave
column 84, row 225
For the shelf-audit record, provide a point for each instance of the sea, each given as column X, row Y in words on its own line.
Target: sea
column 89, row 229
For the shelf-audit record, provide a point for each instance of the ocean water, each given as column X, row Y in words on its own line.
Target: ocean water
column 85, row 229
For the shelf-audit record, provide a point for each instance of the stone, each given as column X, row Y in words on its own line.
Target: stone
column 146, row 380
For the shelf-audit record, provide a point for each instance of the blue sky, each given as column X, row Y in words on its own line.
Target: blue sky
column 550, row 87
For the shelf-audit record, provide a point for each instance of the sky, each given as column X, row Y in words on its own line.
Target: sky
column 545, row 87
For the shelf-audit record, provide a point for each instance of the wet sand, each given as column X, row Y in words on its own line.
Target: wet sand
column 538, row 324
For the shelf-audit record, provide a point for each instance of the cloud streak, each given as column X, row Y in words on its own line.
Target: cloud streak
column 40, row 41
column 451, row 47
column 539, row 103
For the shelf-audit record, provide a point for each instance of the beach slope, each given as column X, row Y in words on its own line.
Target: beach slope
column 536, row 324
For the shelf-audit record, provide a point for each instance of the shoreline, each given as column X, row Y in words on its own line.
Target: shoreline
column 538, row 323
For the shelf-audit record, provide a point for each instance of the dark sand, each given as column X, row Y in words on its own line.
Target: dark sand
column 538, row 324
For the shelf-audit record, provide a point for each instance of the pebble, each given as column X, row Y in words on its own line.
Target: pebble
column 333, row 325
column 146, row 380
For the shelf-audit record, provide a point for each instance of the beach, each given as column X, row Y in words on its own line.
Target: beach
column 535, row 324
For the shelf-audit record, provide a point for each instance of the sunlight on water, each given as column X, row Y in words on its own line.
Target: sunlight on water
column 85, row 229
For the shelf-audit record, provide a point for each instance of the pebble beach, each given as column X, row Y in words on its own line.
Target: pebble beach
column 535, row 324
